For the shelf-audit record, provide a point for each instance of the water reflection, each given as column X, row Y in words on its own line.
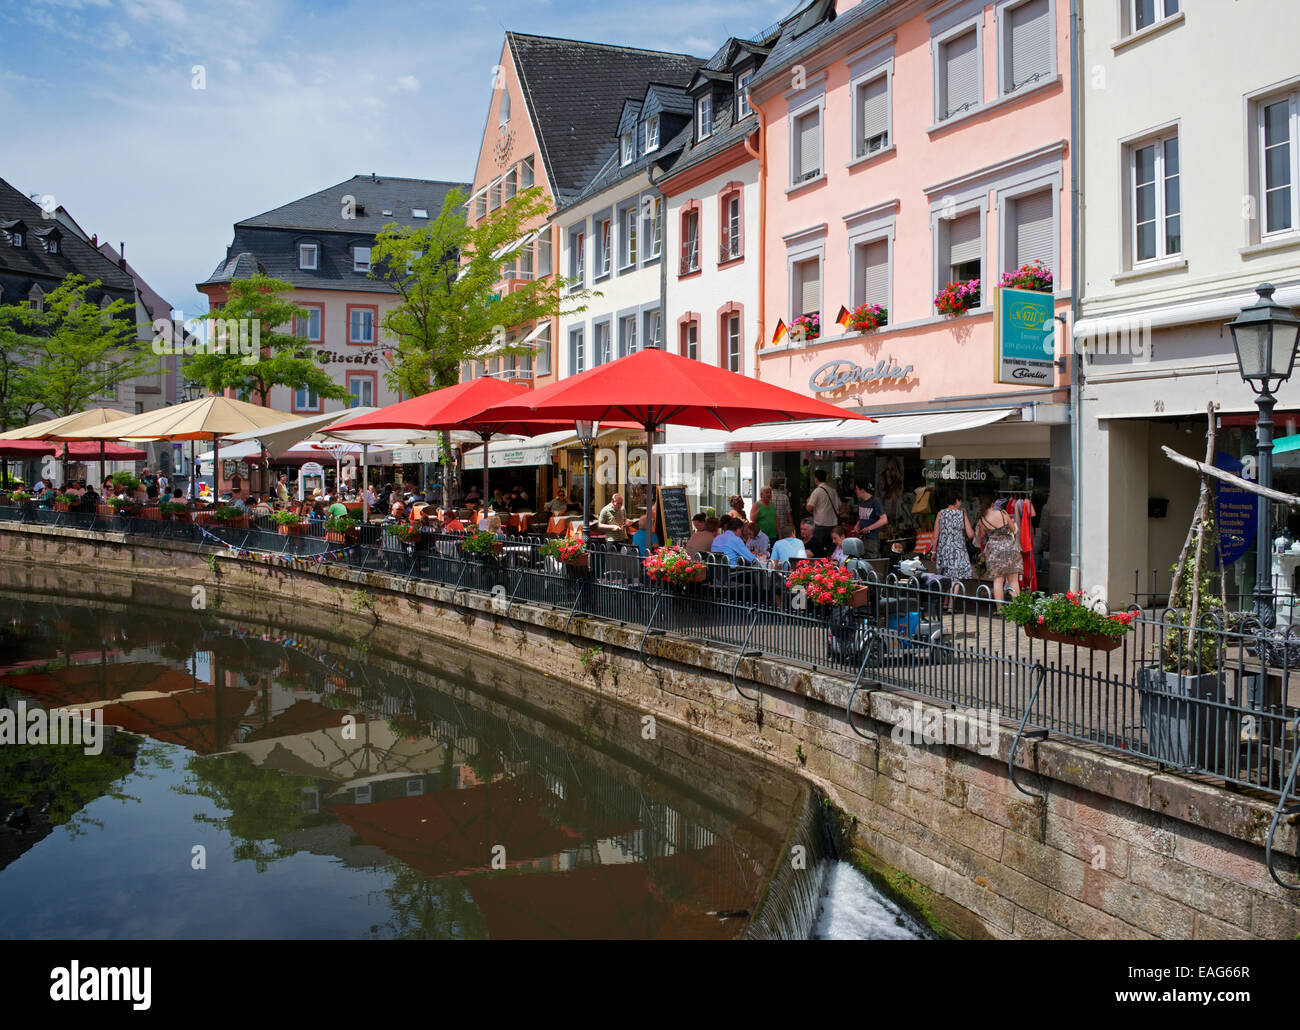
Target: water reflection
column 337, row 796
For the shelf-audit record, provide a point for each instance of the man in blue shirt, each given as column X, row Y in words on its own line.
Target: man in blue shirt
column 729, row 543
column 789, row 548
column 643, row 540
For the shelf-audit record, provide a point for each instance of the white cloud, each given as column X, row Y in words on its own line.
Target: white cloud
column 408, row 84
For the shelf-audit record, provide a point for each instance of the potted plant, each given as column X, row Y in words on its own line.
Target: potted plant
column 19, row 498
column 805, row 327
column 230, row 516
column 61, row 503
column 1033, row 276
column 481, row 544
column 826, row 582
column 571, row 553
column 175, row 511
column 958, row 298
column 1180, row 694
column 675, row 565
column 125, row 481
column 403, row 534
column 121, row 506
column 1066, row 619
column 288, row 523
column 867, row 317
column 341, row 529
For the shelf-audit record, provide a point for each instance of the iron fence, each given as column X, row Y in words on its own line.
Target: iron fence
column 1215, row 699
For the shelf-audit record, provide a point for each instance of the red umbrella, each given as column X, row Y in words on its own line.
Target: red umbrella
column 80, row 450
column 654, row 388
column 458, row 407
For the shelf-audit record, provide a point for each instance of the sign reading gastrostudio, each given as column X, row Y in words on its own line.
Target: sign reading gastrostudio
column 836, row 375
column 1024, row 342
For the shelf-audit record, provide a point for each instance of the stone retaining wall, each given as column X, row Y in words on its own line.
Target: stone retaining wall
column 1107, row 848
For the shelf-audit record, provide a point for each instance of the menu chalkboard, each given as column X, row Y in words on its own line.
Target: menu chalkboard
column 673, row 514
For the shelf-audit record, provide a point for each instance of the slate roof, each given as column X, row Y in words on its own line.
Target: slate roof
column 790, row 47
column 374, row 194
column 32, row 263
column 269, row 242
column 575, row 93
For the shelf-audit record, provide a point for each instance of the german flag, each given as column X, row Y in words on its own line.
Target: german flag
column 779, row 333
column 843, row 318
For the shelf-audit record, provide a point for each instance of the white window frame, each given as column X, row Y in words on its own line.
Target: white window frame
column 732, row 243
column 355, row 401
column 1158, row 140
column 526, row 173
column 360, row 264
column 352, row 338
column 797, row 174
column 1005, row 198
column 542, row 352
column 652, row 328
column 1291, row 97
column 688, row 268
column 503, row 110
column 311, row 403
column 652, row 138
column 605, row 244
column 1002, row 25
column 629, row 218
column 319, row 312
column 938, row 42
column 602, row 351
column 652, row 227
column 704, row 117
column 629, row 333
column 1129, row 12
column 886, row 72
column 693, row 324
column 627, row 147
column 862, row 228
column 733, row 338
column 303, row 248
column 804, row 246
column 743, row 107
column 942, row 212
column 511, row 185
column 577, row 255
column 577, row 349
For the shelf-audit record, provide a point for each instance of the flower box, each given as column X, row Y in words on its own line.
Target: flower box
column 859, row 598
column 153, row 514
column 1092, row 641
column 106, row 509
column 580, row 561
column 334, row 536
column 958, row 298
column 62, row 506
column 291, row 529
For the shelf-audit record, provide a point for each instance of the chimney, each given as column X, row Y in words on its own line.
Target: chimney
column 121, row 255
column 94, row 240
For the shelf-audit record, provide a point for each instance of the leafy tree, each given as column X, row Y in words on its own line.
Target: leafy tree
column 280, row 359
column 78, row 351
column 17, row 401
column 452, row 308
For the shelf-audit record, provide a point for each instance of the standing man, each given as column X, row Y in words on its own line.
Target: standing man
column 782, row 514
column 871, row 517
column 824, row 504
column 613, row 520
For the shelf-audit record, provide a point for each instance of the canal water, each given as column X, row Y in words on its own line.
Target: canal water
column 269, row 783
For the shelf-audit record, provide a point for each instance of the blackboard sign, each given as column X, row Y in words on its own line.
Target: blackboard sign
column 673, row 514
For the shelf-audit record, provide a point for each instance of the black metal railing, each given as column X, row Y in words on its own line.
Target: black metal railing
column 1217, row 698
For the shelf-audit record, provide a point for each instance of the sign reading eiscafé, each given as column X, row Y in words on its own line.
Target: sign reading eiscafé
column 1024, row 344
column 836, row 375
column 360, row 357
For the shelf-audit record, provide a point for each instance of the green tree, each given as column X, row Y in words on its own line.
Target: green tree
column 252, row 347
column 79, row 351
column 18, row 402
column 452, row 309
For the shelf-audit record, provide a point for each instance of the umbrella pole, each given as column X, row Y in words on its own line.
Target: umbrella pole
column 216, row 470
column 365, row 484
column 101, row 464
column 652, row 515
column 486, row 437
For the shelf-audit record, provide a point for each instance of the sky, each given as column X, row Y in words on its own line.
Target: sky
column 101, row 110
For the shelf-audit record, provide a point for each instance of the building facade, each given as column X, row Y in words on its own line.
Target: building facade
column 1191, row 202
column 321, row 245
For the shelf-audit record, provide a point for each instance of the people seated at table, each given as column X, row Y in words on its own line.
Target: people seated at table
column 317, row 512
column 789, row 548
column 451, row 523
column 237, row 498
column 257, row 505
column 643, row 539
column 473, row 497
column 558, row 504
column 612, row 520
column 728, row 542
column 492, row 524
column 837, row 541
column 806, row 532
column 756, row 540
column 498, row 500
column 337, row 508
column 701, row 541
column 151, row 496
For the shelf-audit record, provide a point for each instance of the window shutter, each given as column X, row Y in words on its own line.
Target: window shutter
column 1029, row 54
column 961, row 85
column 875, row 110
column 1033, row 230
column 964, row 239
column 875, row 273
column 810, row 293
column 809, row 145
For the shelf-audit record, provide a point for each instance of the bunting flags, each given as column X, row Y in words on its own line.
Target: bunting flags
column 843, row 318
column 779, row 333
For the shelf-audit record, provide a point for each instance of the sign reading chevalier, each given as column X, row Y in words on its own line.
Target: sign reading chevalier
column 1024, row 336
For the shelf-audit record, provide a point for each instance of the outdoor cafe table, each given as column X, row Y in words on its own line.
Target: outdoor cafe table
column 520, row 521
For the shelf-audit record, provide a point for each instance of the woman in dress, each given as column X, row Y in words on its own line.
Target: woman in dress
column 952, row 530
column 1001, row 549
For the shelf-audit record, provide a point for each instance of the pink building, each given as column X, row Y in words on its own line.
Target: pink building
column 908, row 145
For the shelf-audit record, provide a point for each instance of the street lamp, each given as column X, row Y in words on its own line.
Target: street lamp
column 192, row 391
column 586, row 430
column 1265, row 336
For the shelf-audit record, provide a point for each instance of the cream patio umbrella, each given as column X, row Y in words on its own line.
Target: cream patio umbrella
column 55, row 428
column 208, row 418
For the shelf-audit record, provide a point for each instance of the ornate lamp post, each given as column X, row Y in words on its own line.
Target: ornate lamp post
column 192, row 391
column 586, row 430
column 1265, row 335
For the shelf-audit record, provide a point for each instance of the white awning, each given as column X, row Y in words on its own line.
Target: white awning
column 888, row 432
column 541, row 328
column 510, row 248
column 534, row 451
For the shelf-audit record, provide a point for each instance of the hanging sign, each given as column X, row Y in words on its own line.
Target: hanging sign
column 1024, row 336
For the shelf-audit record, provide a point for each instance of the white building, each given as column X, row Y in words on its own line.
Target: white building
column 1191, row 197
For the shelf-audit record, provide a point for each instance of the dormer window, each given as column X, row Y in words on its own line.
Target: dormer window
column 16, row 238
column 361, row 259
column 419, row 212
column 308, row 256
column 52, row 245
column 628, row 147
column 652, row 133
column 360, row 210
column 743, row 110
column 704, row 117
